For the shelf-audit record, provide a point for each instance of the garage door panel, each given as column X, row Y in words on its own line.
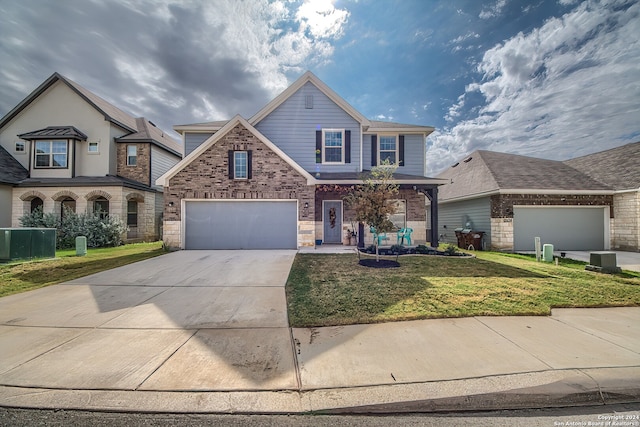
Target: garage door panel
column 567, row 229
column 240, row 225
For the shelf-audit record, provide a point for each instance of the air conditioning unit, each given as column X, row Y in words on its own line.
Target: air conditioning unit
column 603, row 262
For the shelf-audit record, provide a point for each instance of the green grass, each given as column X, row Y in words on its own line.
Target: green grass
column 23, row 276
column 325, row 290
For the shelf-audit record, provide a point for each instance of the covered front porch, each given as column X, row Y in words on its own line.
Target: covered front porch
column 335, row 221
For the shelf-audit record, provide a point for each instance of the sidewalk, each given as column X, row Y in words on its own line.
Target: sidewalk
column 574, row 357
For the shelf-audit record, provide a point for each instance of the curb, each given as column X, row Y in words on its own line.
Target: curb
column 548, row 389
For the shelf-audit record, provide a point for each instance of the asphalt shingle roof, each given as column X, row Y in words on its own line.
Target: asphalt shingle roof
column 11, row 171
column 108, row 110
column 618, row 167
column 488, row 171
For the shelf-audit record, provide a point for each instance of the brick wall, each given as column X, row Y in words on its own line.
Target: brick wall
column 207, row 177
column 141, row 171
column 502, row 204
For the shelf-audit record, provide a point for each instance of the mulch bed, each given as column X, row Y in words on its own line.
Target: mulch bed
column 383, row 263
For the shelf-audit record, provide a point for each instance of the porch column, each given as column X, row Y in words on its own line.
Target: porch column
column 432, row 194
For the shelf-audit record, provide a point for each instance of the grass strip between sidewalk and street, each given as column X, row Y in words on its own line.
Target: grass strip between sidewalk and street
column 23, row 276
column 328, row 290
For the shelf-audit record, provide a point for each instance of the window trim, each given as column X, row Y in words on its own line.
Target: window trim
column 24, row 147
column 396, row 151
column 246, row 165
column 51, row 154
column 94, row 143
column 342, row 147
column 135, row 155
column 132, row 213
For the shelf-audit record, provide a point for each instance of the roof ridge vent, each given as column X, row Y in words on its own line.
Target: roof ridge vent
column 467, row 160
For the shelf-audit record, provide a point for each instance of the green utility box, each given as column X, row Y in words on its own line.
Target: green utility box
column 27, row 243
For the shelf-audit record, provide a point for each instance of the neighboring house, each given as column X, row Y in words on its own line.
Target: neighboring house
column 276, row 180
column 619, row 168
column 514, row 199
column 71, row 148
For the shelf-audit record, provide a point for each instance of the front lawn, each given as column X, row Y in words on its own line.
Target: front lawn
column 324, row 290
column 24, row 276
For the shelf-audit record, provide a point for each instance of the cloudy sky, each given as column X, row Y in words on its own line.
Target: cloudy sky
column 547, row 78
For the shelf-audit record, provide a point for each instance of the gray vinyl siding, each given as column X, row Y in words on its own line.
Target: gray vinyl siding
column 457, row 214
column 193, row 141
column 413, row 154
column 161, row 161
column 292, row 127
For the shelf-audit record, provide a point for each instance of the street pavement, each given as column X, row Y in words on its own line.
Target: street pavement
column 207, row 331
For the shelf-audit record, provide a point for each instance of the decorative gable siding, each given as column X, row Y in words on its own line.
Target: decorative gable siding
column 193, row 141
column 161, row 161
column 292, row 127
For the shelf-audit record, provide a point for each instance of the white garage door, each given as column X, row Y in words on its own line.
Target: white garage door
column 241, row 224
column 566, row 228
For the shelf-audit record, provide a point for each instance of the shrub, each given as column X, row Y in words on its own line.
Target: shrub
column 450, row 249
column 100, row 232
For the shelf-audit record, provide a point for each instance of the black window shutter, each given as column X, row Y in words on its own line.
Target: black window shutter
column 347, row 146
column 231, row 164
column 249, row 166
column 401, row 150
column 318, row 146
column 374, row 150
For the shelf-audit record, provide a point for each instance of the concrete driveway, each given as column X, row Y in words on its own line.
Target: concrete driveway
column 189, row 320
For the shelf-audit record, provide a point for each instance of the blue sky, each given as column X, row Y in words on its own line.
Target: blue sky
column 546, row 78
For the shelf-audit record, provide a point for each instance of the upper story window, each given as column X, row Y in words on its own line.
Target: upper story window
column 388, row 149
column 132, row 155
column 240, row 165
column 20, row 147
column 51, row 154
column 333, row 146
column 93, row 147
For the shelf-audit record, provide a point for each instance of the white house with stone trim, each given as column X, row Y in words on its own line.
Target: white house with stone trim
column 67, row 147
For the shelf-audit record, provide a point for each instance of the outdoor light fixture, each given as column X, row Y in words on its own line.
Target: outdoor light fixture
column 306, row 205
column 170, row 204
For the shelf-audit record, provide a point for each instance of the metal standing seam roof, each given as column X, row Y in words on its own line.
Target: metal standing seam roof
column 68, row 132
column 484, row 172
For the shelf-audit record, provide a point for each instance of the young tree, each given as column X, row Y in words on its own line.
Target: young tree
column 371, row 200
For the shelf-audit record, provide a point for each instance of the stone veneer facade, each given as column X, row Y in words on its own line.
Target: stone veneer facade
column 207, row 177
column 148, row 223
column 141, row 172
column 625, row 230
column 502, row 212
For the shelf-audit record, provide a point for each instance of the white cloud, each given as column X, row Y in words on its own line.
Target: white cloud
column 565, row 89
column 493, row 10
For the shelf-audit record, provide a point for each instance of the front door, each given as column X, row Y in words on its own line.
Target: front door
column 332, row 220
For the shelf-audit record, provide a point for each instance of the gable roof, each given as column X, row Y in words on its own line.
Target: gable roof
column 11, row 171
column 110, row 112
column 489, row 172
column 148, row 132
column 164, row 179
column 308, row 77
column 617, row 167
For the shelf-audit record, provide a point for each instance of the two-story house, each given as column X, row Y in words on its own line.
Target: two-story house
column 276, row 180
column 69, row 148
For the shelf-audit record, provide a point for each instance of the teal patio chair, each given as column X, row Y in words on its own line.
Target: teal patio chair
column 379, row 237
column 402, row 234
